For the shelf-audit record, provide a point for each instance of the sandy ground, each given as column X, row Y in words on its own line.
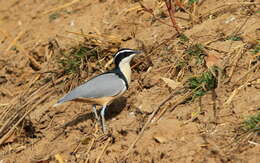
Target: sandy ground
column 34, row 34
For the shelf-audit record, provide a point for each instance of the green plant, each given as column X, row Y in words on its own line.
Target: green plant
column 14, row 48
column 252, row 123
column 256, row 49
column 71, row 62
column 200, row 85
column 234, row 38
column 54, row 16
column 183, row 38
column 193, row 1
column 196, row 50
column 181, row 64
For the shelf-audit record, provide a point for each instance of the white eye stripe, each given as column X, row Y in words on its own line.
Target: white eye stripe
column 123, row 51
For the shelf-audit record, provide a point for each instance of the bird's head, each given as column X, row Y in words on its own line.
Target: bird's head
column 124, row 56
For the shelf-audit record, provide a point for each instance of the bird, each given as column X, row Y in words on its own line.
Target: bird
column 103, row 89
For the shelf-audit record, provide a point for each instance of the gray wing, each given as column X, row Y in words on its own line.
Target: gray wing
column 108, row 84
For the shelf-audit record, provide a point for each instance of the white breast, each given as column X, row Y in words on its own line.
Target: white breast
column 126, row 70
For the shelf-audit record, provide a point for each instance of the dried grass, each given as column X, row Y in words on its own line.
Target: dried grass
column 60, row 7
column 33, row 94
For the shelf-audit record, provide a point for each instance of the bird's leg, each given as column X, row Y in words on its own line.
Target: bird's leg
column 95, row 112
column 103, row 119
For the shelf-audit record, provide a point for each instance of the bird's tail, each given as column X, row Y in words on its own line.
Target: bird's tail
column 57, row 104
column 65, row 98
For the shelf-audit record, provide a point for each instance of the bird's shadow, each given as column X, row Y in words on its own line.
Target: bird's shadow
column 113, row 110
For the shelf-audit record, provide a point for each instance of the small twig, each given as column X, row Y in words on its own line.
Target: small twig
column 229, row 100
column 164, row 67
column 148, row 122
column 220, row 75
column 76, row 148
column 4, row 104
column 237, row 57
column 229, row 4
column 171, row 10
column 212, row 48
column 60, row 7
column 15, row 40
column 150, row 11
column 98, row 35
column 91, row 144
column 254, row 143
column 5, row 34
column 11, row 130
column 178, row 101
column 154, row 49
column 179, row 4
column 252, row 69
column 9, row 133
column 239, row 27
column 50, row 123
column 103, row 150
